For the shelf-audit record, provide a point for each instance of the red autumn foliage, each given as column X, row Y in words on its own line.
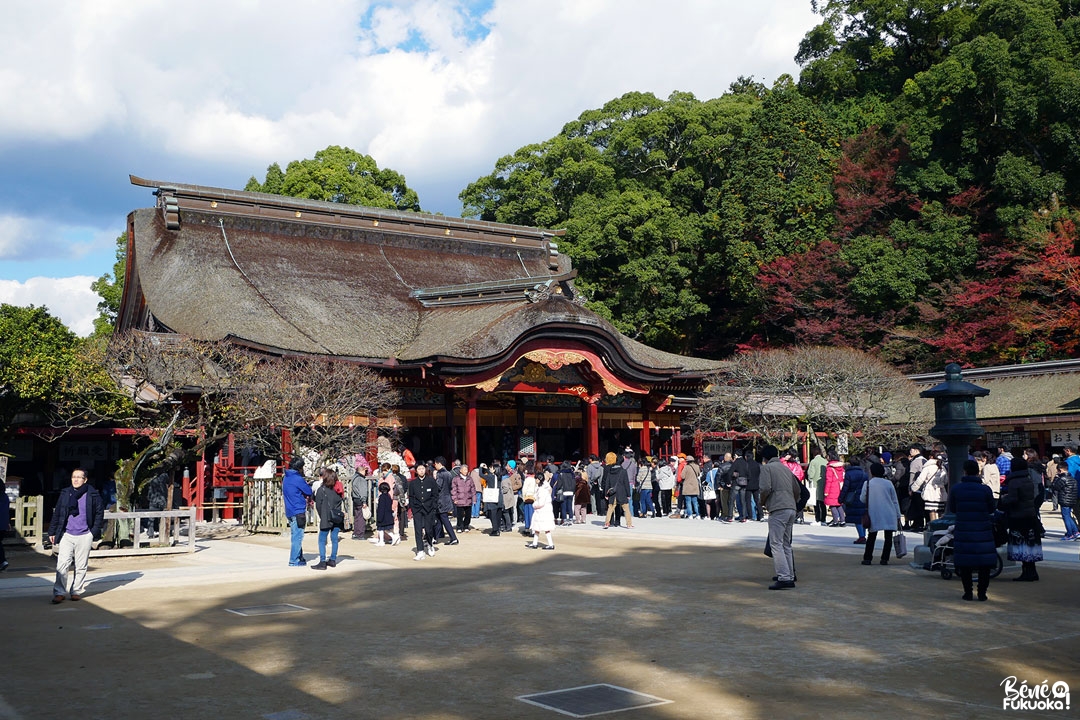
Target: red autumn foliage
column 1052, row 282
column 867, row 197
column 1025, row 306
column 807, row 299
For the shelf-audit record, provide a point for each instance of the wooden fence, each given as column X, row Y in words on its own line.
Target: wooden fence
column 126, row 526
column 30, row 519
column 264, row 507
column 120, row 527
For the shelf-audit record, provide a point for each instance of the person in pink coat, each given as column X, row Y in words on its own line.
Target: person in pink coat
column 462, row 492
column 834, row 484
column 791, row 462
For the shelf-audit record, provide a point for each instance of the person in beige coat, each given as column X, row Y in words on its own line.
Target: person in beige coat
column 933, row 482
column 991, row 476
column 691, row 488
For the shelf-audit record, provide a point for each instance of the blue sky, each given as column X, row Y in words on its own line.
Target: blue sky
column 211, row 93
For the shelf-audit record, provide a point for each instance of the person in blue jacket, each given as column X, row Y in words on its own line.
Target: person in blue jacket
column 297, row 492
column 973, row 533
column 854, row 507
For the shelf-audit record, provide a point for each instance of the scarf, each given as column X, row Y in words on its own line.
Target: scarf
column 78, row 496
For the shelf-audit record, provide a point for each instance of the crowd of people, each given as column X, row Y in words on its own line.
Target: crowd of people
column 879, row 493
column 998, row 500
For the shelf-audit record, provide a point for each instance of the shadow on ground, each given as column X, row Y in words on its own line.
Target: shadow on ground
column 463, row 634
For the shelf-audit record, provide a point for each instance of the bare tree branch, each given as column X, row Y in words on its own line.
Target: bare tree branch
column 837, row 391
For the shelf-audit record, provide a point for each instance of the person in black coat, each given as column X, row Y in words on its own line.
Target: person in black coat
column 384, row 517
column 424, row 501
column 1025, row 530
column 973, row 534
column 444, row 479
column 616, row 485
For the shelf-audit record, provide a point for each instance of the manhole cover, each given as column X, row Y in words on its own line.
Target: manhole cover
column 590, row 700
column 267, row 609
column 287, row 715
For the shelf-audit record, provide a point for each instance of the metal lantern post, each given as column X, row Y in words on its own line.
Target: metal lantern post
column 954, row 415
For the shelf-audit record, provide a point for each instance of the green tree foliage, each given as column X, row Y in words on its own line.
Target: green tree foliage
column 342, row 175
column 670, row 205
column 110, row 287
column 980, row 112
column 896, row 199
column 52, row 376
column 872, row 47
column 913, row 195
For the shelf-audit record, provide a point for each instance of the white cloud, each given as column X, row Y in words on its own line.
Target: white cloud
column 69, row 299
column 33, row 238
column 248, row 83
column 209, row 92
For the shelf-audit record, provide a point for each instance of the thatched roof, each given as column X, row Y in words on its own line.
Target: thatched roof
column 1035, row 390
column 381, row 287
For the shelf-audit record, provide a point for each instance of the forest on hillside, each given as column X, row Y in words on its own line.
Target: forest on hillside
column 914, row 194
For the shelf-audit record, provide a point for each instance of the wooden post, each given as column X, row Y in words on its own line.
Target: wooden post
column 167, row 523
column 592, row 423
column 449, row 439
column 471, row 451
column 646, row 433
column 371, row 439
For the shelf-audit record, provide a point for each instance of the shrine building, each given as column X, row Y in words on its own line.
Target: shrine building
column 478, row 324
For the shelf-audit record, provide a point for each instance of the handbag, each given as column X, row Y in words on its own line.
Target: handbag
column 866, row 521
column 708, row 493
column 804, row 497
column 365, row 512
column 491, row 495
column 899, row 544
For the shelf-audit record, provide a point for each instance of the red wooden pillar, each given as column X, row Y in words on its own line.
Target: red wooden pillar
column 592, row 427
column 449, row 439
column 677, row 441
column 646, row 433
column 200, row 480
column 286, row 448
column 471, row 452
column 371, row 440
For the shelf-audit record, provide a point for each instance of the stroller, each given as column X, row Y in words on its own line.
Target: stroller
column 942, row 544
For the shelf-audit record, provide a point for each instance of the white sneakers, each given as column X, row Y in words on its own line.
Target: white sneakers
column 419, row 556
column 397, row 539
column 430, row 551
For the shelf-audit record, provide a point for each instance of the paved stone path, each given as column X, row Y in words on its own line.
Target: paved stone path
column 674, row 608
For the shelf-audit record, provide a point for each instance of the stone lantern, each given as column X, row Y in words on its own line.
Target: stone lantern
column 954, row 415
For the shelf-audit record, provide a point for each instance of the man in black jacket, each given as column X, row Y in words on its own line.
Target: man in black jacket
column 424, row 501
column 752, row 491
column 76, row 524
column 444, row 478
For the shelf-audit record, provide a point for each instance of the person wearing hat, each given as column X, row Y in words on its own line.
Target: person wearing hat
column 780, row 490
